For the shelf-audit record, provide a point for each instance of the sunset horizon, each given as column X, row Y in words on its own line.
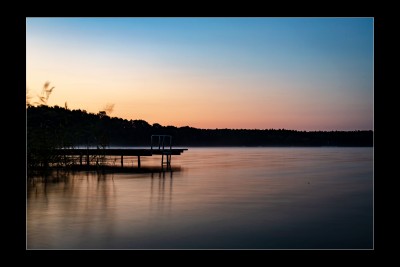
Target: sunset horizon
column 305, row 74
column 110, row 115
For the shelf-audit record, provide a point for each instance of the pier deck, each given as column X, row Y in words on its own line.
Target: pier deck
column 160, row 145
column 121, row 151
column 84, row 153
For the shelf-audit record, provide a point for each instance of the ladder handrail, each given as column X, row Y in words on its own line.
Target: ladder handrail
column 161, row 141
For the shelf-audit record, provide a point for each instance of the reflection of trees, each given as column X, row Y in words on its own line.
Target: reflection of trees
column 85, row 209
column 85, row 201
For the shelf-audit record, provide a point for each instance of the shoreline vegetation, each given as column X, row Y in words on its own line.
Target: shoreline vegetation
column 50, row 128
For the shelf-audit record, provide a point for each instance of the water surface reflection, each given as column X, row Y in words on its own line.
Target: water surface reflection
column 222, row 198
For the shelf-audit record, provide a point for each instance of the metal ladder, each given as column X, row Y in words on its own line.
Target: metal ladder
column 161, row 141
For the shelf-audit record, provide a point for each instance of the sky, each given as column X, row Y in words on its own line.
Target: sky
column 245, row 73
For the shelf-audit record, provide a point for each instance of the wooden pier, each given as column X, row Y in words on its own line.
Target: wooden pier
column 84, row 154
column 159, row 146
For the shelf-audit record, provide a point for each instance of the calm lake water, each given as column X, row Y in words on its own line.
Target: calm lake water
column 221, row 198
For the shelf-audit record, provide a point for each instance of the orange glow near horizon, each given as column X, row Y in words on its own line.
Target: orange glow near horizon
column 205, row 83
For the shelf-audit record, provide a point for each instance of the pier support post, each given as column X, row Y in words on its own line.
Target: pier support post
column 169, row 162
column 168, row 158
column 80, row 159
column 122, row 160
column 87, row 159
column 138, row 162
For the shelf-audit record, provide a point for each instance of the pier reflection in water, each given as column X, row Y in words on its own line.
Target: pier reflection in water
column 221, row 198
column 65, row 208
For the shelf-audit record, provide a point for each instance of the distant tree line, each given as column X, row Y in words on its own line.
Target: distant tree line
column 59, row 127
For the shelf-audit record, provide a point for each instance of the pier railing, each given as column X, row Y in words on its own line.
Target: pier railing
column 161, row 141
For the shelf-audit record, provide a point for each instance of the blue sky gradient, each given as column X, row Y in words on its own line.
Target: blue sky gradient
column 293, row 73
